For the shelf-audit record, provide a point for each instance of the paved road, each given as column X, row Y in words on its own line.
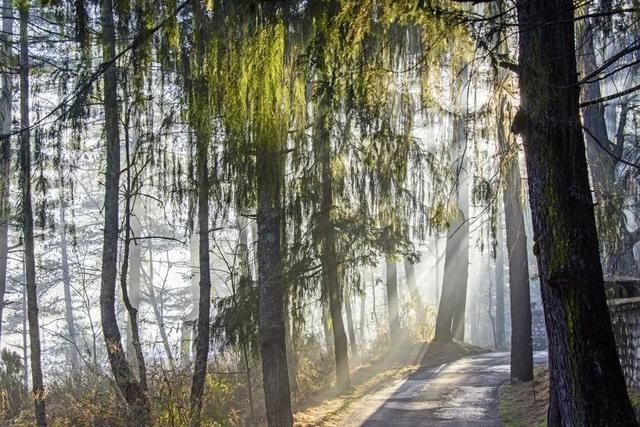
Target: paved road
column 463, row 393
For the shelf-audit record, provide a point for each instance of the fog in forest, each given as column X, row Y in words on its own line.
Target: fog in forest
column 319, row 212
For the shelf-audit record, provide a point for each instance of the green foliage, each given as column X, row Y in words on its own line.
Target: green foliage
column 236, row 322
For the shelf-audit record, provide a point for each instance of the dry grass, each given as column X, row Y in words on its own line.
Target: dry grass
column 525, row 404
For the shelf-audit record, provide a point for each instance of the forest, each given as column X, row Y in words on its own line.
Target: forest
column 319, row 212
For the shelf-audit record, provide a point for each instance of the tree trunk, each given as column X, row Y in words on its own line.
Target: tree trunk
column 451, row 310
column 520, row 299
column 133, row 254
column 5, row 148
column 438, row 283
column 199, row 96
column 330, row 274
column 350, row 327
column 363, row 303
column 189, row 320
column 27, row 223
column 66, row 282
column 204, row 302
column 134, row 353
column 608, row 193
column 25, row 331
column 585, row 370
column 245, row 276
column 455, row 277
column 157, row 310
column 291, row 356
column 393, row 310
column 271, row 287
column 130, row 388
column 459, row 307
column 500, row 333
column 326, row 327
column 131, row 264
column 410, row 273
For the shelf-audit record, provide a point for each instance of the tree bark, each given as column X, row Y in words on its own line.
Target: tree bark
column 27, row 223
column 455, row 277
column 363, row 302
column 197, row 86
column 326, row 327
column 5, row 148
column 521, row 345
column 291, row 356
column 393, row 310
column 245, row 276
column 410, row 273
column 500, row 332
column 461, row 262
column 271, row 289
column 585, row 370
column 204, row 303
column 189, row 320
column 350, row 327
column 139, row 411
column 330, row 272
column 451, row 310
column 438, row 282
column 25, row 331
column 131, row 264
column 66, row 282
column 133, row 336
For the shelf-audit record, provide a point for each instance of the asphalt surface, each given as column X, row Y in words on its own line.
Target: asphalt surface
column 462, row 393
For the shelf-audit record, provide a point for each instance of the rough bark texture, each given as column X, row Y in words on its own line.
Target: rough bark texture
column 271, row 290
column 521, row 341
column 585, row 371
column 27, row 224
column 126, row 381
column 5, row 148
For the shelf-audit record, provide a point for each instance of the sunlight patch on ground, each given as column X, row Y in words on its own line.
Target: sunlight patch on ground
column 383, row 378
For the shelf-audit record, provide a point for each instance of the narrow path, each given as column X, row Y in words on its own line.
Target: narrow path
column 463, row 393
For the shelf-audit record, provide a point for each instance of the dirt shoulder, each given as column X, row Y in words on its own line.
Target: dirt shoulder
column 525, row 404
